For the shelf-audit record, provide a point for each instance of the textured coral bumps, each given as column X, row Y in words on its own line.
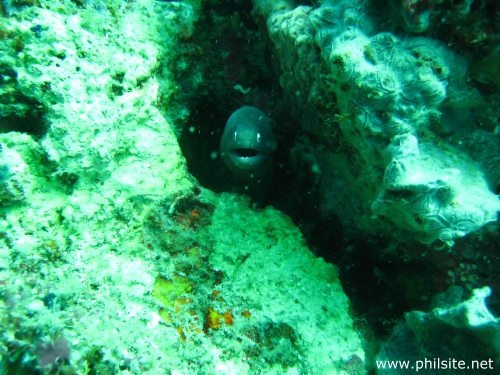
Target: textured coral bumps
column 424, row 194
column 392, row 100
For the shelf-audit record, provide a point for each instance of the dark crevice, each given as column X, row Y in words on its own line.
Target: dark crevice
column 20, row 113
column 382, row 281
column 236, row 69
column 32, row 122
column 238, row 53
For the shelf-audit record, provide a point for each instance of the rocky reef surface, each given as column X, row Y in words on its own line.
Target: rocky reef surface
column 112, row 258
column 398, row 115
column 382, row 104
column 123, row 247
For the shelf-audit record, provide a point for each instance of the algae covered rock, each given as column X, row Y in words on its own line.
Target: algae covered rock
column 269, row 271
column 14, row 177
column 101, row 92
column 194, row 282
column 112, row 259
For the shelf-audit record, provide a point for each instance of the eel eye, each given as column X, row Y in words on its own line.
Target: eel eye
column 234, row 135
column 258, row 137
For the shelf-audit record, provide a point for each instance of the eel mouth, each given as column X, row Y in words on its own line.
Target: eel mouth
column 246, row 160
column 245, row 152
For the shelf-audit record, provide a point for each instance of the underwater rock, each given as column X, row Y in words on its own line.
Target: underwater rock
column 284, row 308
column 117, row 252
column 466, row 331
column 15, row 179
column 356, row 90
column 486, row 69
column 430, row 199
column 416, row 14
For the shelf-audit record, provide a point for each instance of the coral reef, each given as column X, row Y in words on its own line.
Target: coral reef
column 112, row 258
column 458, row 329
column 396, row 130
column 375, row 99
column 432, row 201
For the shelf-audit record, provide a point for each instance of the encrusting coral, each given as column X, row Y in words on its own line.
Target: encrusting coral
column 386, row 168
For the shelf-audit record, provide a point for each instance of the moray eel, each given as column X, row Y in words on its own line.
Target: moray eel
column 247, row 145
